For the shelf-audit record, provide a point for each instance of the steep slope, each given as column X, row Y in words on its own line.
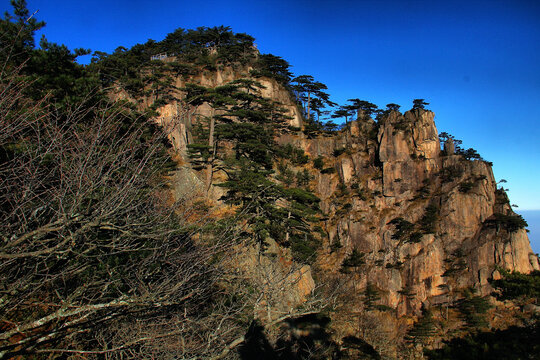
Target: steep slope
column 426, row 223
column 261, row 230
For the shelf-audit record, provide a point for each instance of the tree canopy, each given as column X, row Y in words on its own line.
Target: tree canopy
column 307, row 90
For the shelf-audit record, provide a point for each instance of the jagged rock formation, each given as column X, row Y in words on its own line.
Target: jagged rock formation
column 178, row 118
column 427, row 222
column 250, row 228
column 443, row 237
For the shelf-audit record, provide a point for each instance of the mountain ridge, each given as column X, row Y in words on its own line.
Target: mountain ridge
column 407, row 146
column 195, row 206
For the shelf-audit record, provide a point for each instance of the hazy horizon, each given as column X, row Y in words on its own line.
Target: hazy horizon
column 533, row 219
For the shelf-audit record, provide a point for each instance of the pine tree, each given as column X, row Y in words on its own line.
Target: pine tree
column 473, row 309
column 423, row 330
column 364, row 108
column 419, row 104
column 273, row 67
column 17, row 34
column 354, row 260
column 370, row 297
column 308, row 89
column 343, row 112
column 392, row 107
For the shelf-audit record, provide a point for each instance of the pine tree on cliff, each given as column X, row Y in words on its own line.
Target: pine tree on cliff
column 217, row 98
column 307, row 89
column 273, row 67
column 473, row 309
column 423, row 330
column 392, row 107
column 380, row 114
column 251, row 123
column 195, row 96
column 343, row 112
column 419, row 104
column 363, row 108
column 317, row 106
column 370, row 297
column 283, row 214
column 354, row 260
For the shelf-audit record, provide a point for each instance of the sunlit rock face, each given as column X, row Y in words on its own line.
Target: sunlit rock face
column 399, row 174
column 402, row 138
column 382, row 171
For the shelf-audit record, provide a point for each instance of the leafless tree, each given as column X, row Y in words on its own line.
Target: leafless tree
column 98, row 259
column 95, row 256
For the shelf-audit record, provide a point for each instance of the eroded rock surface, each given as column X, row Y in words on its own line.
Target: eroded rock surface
column 388, row 175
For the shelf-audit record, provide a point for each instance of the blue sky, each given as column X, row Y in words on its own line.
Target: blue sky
column 476, row 62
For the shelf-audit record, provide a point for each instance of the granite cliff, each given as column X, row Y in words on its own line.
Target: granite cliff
column 181, row 199
column 425, row 221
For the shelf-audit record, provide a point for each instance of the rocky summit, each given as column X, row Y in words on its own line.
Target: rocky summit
column 392, row 193
column 192, row 199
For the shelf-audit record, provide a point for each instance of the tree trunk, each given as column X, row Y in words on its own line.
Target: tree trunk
column 209, row 166
column 308, row 104
column 287, row 233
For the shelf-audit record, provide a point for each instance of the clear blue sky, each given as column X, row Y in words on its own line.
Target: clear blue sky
column 476, row 62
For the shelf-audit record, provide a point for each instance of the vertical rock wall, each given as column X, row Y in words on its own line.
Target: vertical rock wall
column 384, row 171
column 409, row 176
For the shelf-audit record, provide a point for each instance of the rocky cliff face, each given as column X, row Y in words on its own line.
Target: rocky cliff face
column 179, row 119
column 425, row 223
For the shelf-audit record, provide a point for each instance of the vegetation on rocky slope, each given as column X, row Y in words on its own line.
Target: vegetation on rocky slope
column 101, row 257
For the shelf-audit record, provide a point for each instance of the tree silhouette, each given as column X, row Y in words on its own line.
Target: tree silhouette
column 370, row 297
column 419, row 104
column 308, row 89
column 364, row 108
column 273, row 67
column 354, row 260
column 423, row 330
column 343, row 112
column 392, row 107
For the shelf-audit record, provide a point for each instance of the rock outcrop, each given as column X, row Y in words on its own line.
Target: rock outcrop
column 424, row 220
column 421, row 217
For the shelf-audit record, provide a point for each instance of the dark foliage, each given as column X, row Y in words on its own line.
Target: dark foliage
column 419, row 104
column 273, row 67
column 515, row 285
column 363, row 108
column 354, row 260
column 466, row 186
column 473, row 309
column 328, row 170
column 17, row 34
column 318, row 163
column 429, row 219
column 510, row 222
column 187, row 52
column 296, row 155
column 403, row 228
column 450, row 173
column 423, row 330
column 311, row 95
column 514, row 343
column 337, row 152
column 370, row 297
